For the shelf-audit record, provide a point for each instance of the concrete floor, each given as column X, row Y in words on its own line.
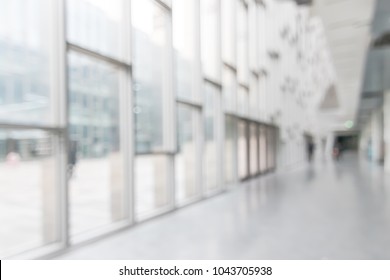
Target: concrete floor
column 327, row 211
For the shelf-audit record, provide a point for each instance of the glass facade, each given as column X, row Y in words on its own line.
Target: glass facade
column 230, row 155
column 186, row 159
column 150, row 61
column 139, row 107
column 262, row 149
column 96, row 25
column 229, row 89
column 211, row 135
column 152, row 183
column 185, row 33
column 229, row 31
column 210, row 38
column 28, row 210
column 243, row 151
column 253, row 146
column 94, row 144
column 242, row 43
column 25, row 63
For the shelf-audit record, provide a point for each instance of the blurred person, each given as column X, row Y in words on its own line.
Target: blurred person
column 337, row 150
column 72, row 157
column 13, row 158
column 310, row 150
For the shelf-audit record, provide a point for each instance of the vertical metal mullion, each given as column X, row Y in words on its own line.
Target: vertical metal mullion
column 168, row 102
column 248, row 147
column 199, row 91
column 197, row 73
column 171, row 112
column 126, row 116
column 220, row 113
column 125, row 125
column 258, row 148
column 59, row 95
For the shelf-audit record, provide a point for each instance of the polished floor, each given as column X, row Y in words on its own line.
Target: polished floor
column 325, row 211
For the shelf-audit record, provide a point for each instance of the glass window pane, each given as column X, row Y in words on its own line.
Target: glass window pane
column 210, row 161
column 253, row 97
column 229, row 89
column 261, row 29
column 28, row 194
column 184, row 42
column 24, row 62
column 151, row 64
column 152, row 181
column 262, row 101
column 252, row 35
column 186, row 159
column 228, row 14
column 210, row 34
column 242, row 150
column 230, row 156
column 243, row 101
column 95, row 24
column 242, row 43
column 263, row 149
column 95, row 161
column 253, row 149
column 271, row 148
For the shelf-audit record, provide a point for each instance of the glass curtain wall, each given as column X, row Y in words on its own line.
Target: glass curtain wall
column 230, row 155
column 29, row 133
column 271, row 148
column 229, row 89
column 262, row 149
column 186, row 158
column 229, row 31
column 94, row 144
column 93, row 30
column 243, row 152
column 187, row 78
column 243, row 100
column 28, row 187
column 253, row 146
column 211, row 143
column 253, row 97
column 152, row 108
column 96, row 25
column 242, row 43
column 185, row 35
column 110, row 131
column 210, row 39
column 25, row 89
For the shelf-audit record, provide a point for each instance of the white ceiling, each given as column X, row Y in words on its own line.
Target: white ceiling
column 347, row 26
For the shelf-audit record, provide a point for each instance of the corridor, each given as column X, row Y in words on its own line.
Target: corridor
column 330, row 210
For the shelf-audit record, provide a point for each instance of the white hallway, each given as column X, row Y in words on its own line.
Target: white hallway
column 328, row 211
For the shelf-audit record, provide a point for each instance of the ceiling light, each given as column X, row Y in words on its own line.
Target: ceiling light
column 348, row 124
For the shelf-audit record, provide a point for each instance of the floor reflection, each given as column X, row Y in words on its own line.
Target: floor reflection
column 334, row 211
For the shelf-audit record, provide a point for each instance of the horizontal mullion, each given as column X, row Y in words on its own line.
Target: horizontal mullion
column 156, row 153
column 97, row 55
column 163, row 4
column 31, row 126
column 230, row 66
column 213, row 82
column 197, row 105
column 243, row 85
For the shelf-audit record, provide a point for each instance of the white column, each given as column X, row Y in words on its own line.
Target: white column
column 330, row 139
column 365, row 137
column 377, row 135
column 386, row 122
